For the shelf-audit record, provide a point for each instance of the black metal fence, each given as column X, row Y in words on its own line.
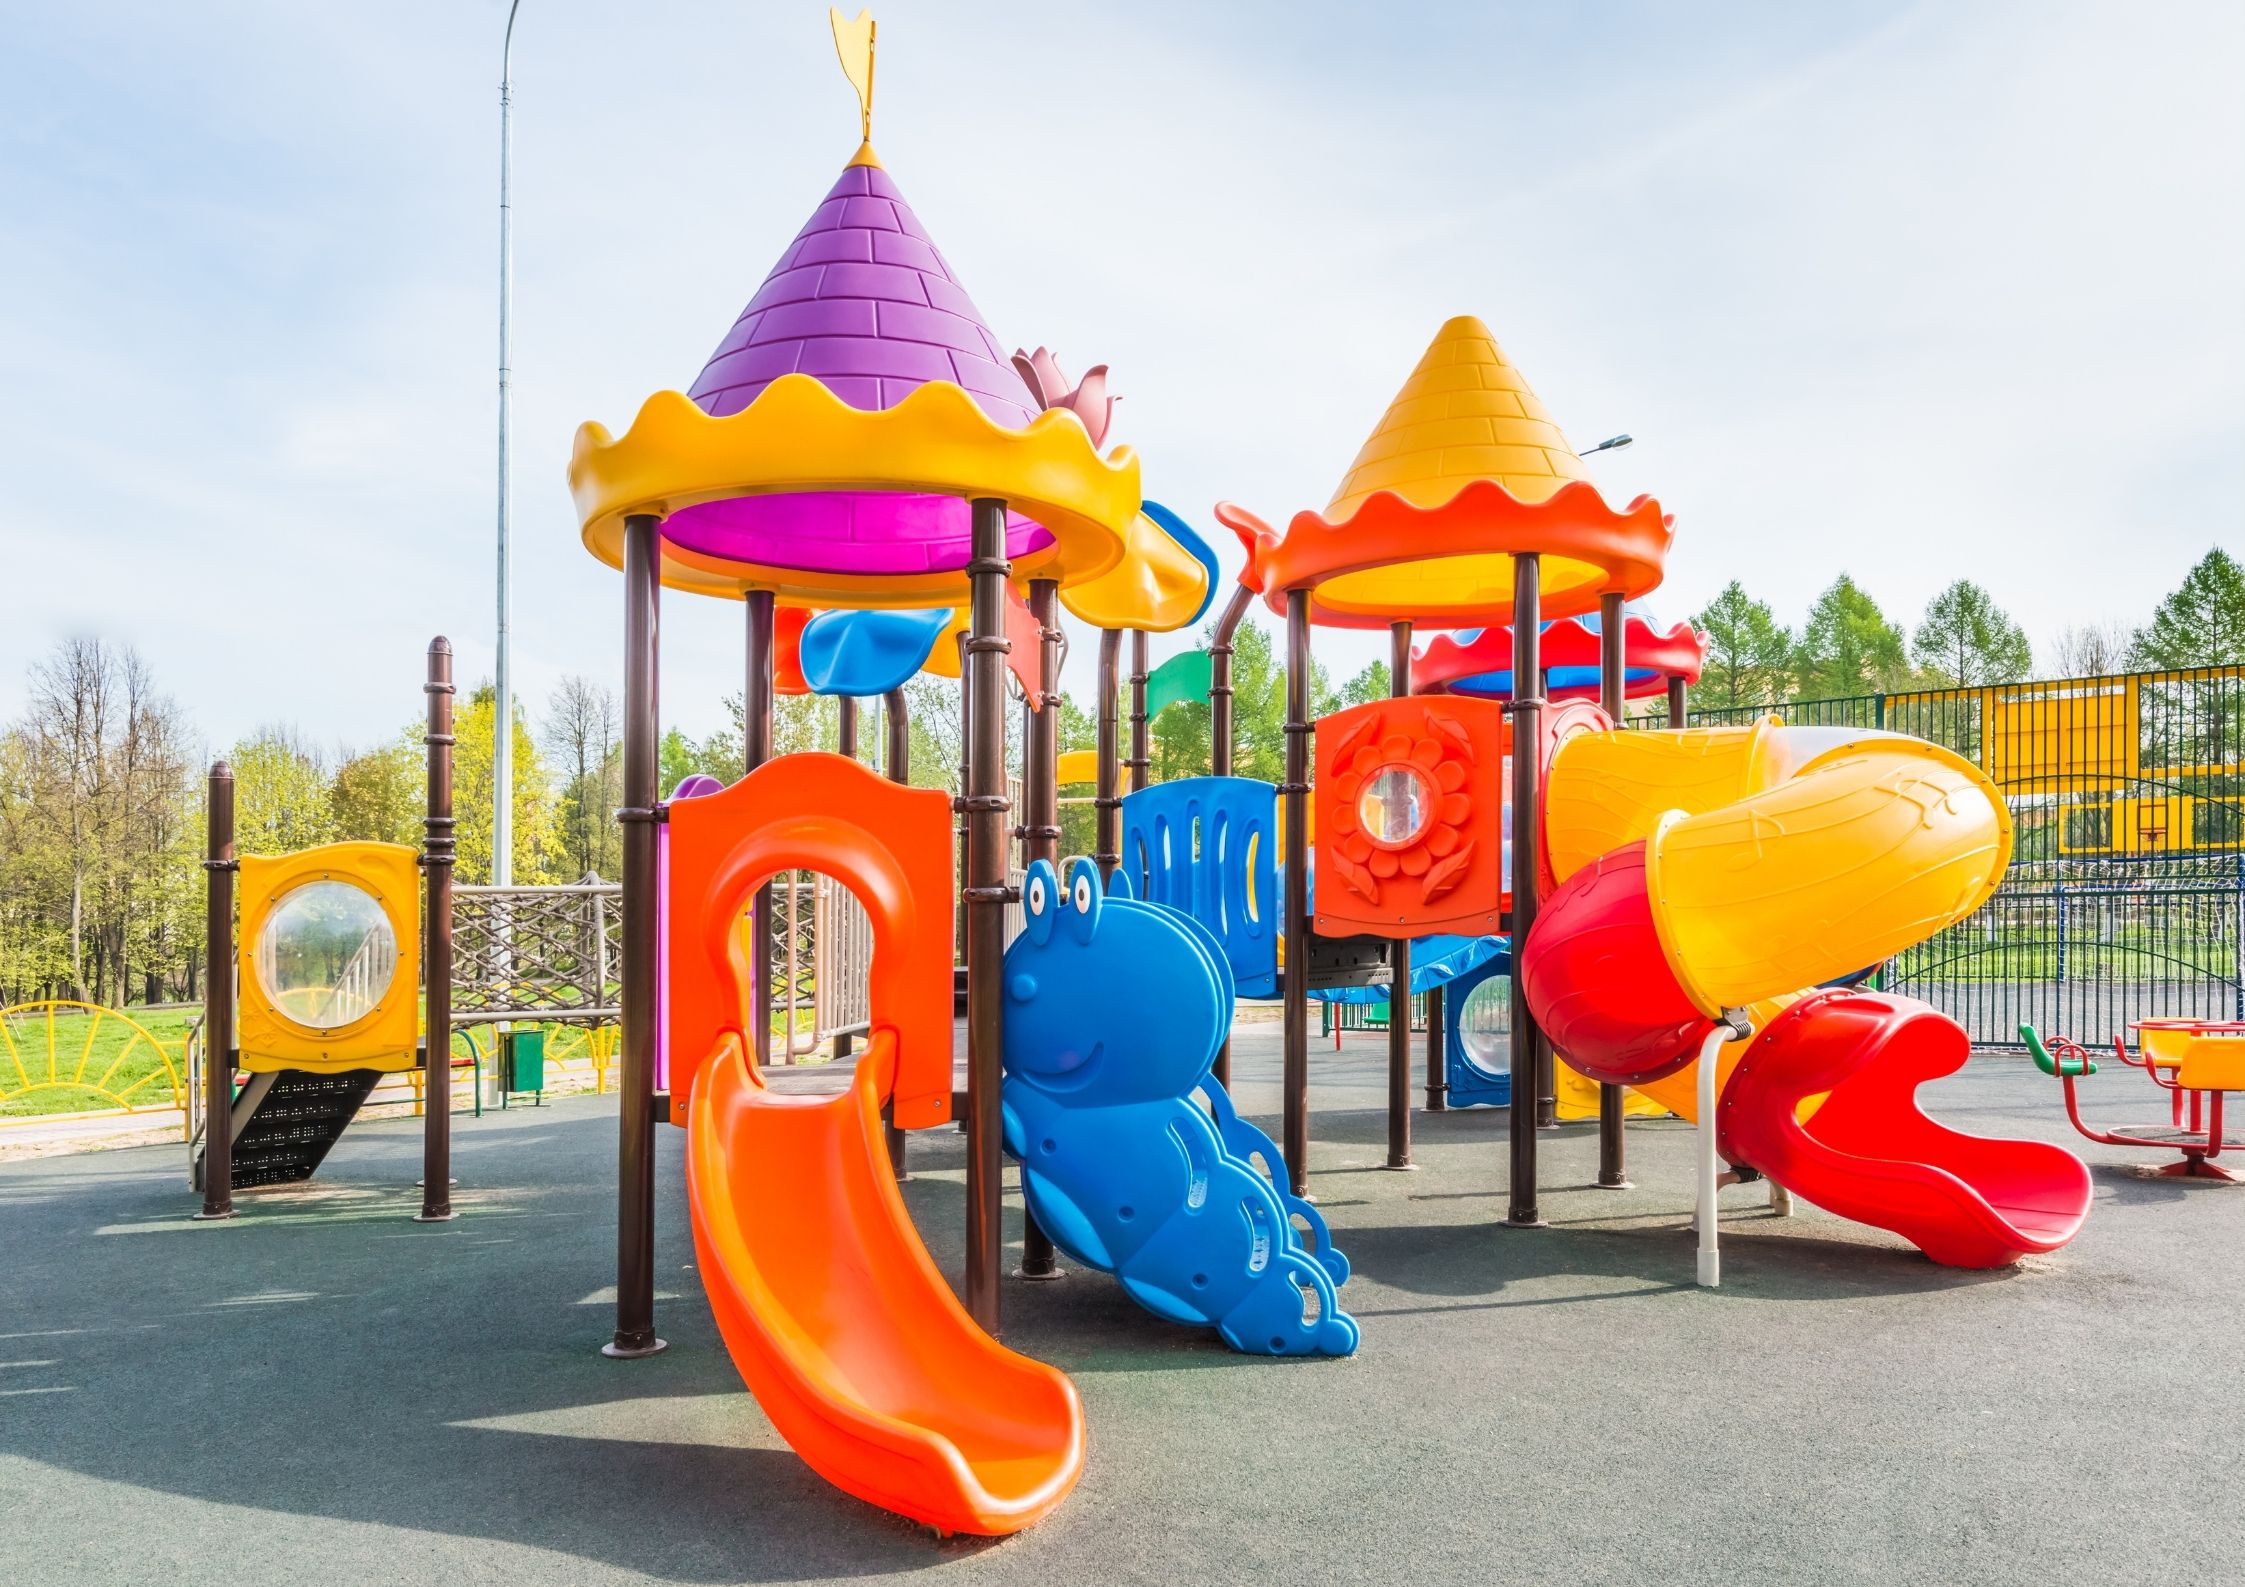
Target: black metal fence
column 2126, row 894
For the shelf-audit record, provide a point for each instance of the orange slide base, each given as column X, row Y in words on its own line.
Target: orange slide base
column 840, row 1321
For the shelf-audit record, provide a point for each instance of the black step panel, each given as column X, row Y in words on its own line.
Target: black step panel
column 296, row 1124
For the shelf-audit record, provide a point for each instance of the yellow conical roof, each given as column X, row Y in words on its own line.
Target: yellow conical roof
column 1465, row 414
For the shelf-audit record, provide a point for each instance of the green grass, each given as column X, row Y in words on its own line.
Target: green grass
column 39, row 1058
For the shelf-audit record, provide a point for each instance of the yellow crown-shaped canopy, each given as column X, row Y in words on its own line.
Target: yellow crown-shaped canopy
column 1465, row 414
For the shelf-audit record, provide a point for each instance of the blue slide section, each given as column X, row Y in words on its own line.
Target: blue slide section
column 1114, row 1011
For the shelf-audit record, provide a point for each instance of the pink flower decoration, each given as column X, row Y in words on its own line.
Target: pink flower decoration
column 1087, row 400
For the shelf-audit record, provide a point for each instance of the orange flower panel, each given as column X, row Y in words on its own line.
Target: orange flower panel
column 1409, row 806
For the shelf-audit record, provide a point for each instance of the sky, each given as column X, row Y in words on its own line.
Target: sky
column 1915, row 292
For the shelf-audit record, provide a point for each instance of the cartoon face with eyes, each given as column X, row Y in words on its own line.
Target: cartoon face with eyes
column 1107, row 999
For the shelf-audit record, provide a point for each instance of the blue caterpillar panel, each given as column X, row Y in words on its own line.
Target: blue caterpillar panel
column 1114, row 1011
column 1208, row 846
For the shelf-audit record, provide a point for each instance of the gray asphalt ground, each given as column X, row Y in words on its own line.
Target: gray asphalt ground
column 324, row 1391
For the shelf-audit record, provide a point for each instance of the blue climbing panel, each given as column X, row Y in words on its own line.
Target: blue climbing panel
column 1208, row 848
column 1114, row 1011
column 1480, row 1070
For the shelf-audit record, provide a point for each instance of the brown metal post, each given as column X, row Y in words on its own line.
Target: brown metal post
column 896, row 719
column 756, row 748
column 1527, row 729
column 1612, row 680
column 1438, row 1051
column 639, row 974
column 1141, row 756
column 1040, row 831
column 1220, row 741
column 1675, row 702
column 845, row 743
column 1399, row 957
column 1220, row 682
column 986, row 896
column 436, row 953
column 219, row 867
column 1295, row 791
column 1108, row 800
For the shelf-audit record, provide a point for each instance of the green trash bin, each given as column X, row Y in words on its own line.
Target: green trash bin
column 522, row 1061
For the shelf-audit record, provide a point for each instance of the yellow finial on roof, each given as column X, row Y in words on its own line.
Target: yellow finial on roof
column 1464, row 414
column 853, row 42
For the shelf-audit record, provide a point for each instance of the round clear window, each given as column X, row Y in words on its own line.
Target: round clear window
column 326, row 954
column 1485, row 1025
column 1395, row 806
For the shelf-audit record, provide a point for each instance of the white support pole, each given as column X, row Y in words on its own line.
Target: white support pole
column 1710, row 1257
column 1733, row 1026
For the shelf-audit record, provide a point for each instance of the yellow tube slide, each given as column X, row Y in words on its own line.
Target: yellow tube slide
column 1873, row 844
column 1608, row 789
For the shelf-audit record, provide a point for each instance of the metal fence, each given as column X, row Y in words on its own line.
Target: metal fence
column 822, row 949
column 555, row 954
column 2126, row 894
column 2080, row 949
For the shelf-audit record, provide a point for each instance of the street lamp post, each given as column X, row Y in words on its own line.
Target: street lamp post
column 502, row 729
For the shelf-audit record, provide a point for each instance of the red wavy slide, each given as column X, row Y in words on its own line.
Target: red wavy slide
column 1869, row 1152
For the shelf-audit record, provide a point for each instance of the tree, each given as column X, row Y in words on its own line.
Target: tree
column 1967, row 640
column 96, row 799
column 280, row 793
column 1848, row 646
column 1373, row 683
column 581, row 728
column 537, row 845
column 2202, row 623
column 1748, row 651
column 2090, row 650
column 381, row 795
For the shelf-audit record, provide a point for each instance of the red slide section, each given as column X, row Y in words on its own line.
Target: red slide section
column 1870, row 1153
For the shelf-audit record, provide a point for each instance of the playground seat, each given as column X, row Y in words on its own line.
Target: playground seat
column 2069, row 1059
column 2211, row 1063
column 2162, row 1046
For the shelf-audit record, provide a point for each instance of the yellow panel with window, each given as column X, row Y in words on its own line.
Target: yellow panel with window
column 330, row 959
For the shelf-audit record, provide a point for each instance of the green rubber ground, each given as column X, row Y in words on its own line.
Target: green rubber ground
column 322, row 1391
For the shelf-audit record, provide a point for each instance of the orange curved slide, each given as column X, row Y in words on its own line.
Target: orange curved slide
column 839, row 1320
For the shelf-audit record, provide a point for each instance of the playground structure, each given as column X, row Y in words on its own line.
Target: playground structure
column 320, row 993
column 855, row 445
column 884, row 490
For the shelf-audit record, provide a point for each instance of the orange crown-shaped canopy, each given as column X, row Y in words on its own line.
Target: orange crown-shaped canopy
column 1465, row 470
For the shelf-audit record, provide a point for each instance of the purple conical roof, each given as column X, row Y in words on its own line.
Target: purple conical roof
column 864, row 301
